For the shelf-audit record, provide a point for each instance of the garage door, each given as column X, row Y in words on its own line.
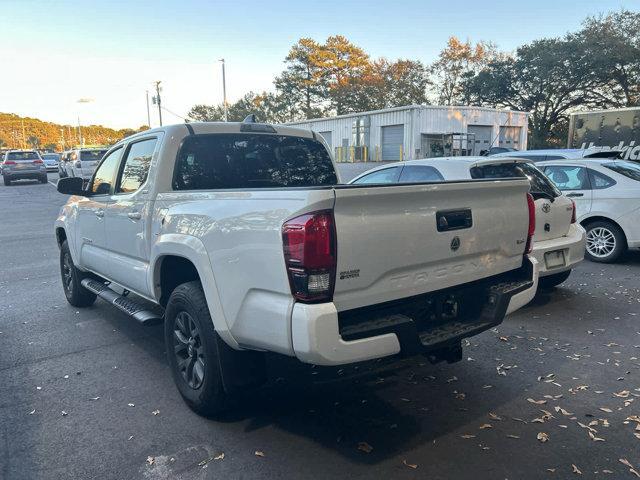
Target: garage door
column 327, row 138
column 510, row 137
column 392, row 140
column 482, row 138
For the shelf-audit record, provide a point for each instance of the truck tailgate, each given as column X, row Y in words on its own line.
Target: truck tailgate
column 396, row 241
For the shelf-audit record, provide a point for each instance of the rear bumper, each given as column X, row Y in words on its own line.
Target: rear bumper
column 323, row 336
column 572, row 245
column 18, row 175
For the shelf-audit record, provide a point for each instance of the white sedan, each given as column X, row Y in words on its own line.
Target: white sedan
column 607, row 196
column 559, row 241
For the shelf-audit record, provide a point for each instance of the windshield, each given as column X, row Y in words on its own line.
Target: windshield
column 628, row 169
column 91, row 155
column 23, row 156
column 539, row 182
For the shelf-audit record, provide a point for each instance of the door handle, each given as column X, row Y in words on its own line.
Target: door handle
column 100, row 213
column 134, row 215
column 571, row 195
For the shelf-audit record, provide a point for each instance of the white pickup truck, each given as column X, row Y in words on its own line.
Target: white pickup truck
column 240, row 237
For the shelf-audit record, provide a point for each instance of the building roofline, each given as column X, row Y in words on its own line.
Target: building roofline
column 406, row 107
column 625, row 109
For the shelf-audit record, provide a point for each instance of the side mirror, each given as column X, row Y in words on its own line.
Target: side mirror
column 71, row 186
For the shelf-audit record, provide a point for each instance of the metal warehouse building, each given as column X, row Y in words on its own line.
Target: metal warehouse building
column 420, row 131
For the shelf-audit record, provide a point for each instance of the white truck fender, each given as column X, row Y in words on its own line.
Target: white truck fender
column 192, row 249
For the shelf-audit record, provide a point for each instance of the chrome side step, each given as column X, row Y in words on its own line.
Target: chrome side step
column 125, row 304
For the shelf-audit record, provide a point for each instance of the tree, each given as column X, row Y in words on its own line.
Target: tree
column 206, row 113
column 267, row 107
column 612, row 46
column 343, row 67
column 301, row 85
column 457, row 62
column 547, row 78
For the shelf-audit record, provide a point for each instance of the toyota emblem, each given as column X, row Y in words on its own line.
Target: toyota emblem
column 455, row 243
column 546, row 208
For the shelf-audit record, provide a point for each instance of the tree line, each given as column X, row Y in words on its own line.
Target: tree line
column 597, row 66
column 26, row 132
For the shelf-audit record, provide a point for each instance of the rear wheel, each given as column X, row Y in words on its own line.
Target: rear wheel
column 554, row 280
column 193, row 350
column 7, row 182
column 605, row 242
column 76, row 294
column 43, row 179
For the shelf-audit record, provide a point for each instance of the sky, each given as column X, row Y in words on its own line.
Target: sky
column 108, row 53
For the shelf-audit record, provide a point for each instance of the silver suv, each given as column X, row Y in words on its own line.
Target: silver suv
column 82, row 162
column 23, row 164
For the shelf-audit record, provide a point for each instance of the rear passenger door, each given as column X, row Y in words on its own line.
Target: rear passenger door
column 573, row 181
column 127, row 217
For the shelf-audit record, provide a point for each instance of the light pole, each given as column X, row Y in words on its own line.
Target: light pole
column 224, row 93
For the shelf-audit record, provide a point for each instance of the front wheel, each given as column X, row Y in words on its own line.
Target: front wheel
column 193, row 350
column 551, row 281
column 7, row 182
column 605, row 242
column 43, row 179
column 76, row 294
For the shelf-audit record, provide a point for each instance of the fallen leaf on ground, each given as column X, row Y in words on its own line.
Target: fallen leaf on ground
column 536, row 402
column 258, row 453
column 513, row 436
column 365, row 447
column 410, row 465
column 131, row 404
column 543, row 437
column 94, row 398
column 64, row 414
column 467, row 436
column 219, row 457
column 632, row 470
column 576, row 470
column 594, row 438
column 32, row 411
column 485, row 425
column 156, row 412
column 605, row 409
column 493, row 416
column 151, row 460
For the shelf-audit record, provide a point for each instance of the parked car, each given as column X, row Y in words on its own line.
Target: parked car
column 558, row 243
column 82, row 162
column 243, row 236
column 560, row 153
column 23, row 164
column 607, row 197
column 62, row 164
column 51, row 161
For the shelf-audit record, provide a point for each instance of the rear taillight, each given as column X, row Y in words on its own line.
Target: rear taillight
column 310, row 256
column 9, row 162
column 573, row 212
column 78, row 164
column 532, row 223
column 38, row 162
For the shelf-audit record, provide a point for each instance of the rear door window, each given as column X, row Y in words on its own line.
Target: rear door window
column 386, row 175
column 568, row 177
column 420, row 173
column 243, row 160
column 600, row 181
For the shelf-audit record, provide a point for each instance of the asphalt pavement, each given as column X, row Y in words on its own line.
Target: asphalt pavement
column 87, row 393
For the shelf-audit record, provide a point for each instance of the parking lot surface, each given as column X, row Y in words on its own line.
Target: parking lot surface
column 86, row 393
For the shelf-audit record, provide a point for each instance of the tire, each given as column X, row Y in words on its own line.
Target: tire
column 195, row 360
column 7, row 182
column 551, row 281
column 44, row 179
column 606, row 242
column 76, row 294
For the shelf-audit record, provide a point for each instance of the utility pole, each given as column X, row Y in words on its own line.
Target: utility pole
column 62, row 137
column 224, row 93
column 148, row 114
column 158, row 101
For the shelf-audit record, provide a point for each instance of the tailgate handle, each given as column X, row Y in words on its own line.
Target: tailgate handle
column 454, row 219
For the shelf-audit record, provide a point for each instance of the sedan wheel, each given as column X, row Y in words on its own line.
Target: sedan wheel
column 605, row 242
